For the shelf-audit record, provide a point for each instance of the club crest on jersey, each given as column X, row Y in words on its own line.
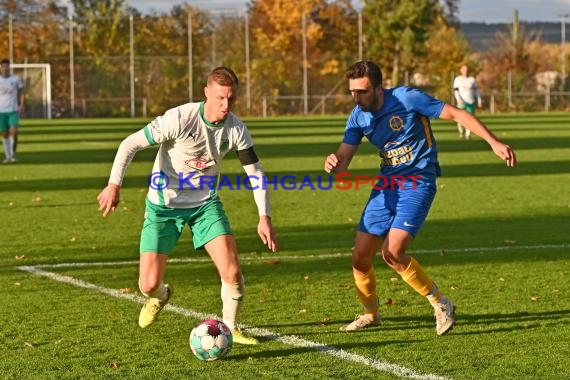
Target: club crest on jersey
column 396, row 123
column 200, row 163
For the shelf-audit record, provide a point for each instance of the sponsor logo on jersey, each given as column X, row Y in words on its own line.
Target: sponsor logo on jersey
column 395, row 154
column 200, row 163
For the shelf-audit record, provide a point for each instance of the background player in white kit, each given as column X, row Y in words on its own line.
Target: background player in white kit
column 11, row 108
column 466, row 93
column 193, row 139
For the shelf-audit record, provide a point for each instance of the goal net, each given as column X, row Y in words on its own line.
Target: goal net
column 37, row 88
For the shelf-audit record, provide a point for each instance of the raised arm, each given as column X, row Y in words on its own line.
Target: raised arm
column 501, row 150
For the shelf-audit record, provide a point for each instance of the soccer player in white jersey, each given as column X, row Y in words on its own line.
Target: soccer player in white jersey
column 11, row 107
column 193, row 139
column 466, row 92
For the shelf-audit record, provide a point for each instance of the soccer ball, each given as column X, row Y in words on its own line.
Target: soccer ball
column 210, row 340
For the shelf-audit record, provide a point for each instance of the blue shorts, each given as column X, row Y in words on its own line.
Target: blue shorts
column 405, row 209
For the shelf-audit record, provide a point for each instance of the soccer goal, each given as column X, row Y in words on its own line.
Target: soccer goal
column 37, row 88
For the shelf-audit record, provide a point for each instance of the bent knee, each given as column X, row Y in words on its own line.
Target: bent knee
column 396, row 259
column 148, row 285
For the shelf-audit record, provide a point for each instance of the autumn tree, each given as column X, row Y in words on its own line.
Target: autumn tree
column 446, row 50
column 510, row 56
column 277, row 41
column 397, row 31
column 39, row 35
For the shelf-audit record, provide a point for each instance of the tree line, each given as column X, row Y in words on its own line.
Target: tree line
column 284, row 52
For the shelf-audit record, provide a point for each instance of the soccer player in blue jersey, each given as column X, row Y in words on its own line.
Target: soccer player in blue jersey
column 396, row 122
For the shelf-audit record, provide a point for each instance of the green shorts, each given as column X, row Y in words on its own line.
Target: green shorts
column 9, row 119
column 469, row 107
column 163, row 225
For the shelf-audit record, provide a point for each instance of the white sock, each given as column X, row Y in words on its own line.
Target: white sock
column 232, row 296
column 161, row 293
column 8, row 145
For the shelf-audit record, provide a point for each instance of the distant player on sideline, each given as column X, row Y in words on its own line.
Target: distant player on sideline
column 193, row 139
column 11, row 108
column 466, row 92
column 396, row 122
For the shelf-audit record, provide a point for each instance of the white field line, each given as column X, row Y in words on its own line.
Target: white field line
column 303, row 257
column 393, row 369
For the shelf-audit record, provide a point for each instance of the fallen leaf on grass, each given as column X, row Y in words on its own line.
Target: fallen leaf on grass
column 29, row 344
column 20, row 257
column 442, row 252
column 534, row 299
column 325, row 320
column 114, row 365
column 390, row 302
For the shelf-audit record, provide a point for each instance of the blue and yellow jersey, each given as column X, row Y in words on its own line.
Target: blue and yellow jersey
column 401, row 131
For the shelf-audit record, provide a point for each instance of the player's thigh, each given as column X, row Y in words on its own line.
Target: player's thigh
column 13, row 120
column 413, row 206
column 223, row 251
column 365, row 248
column 4, row 123
column 378, row 213
column 211, row 230
column 394, row 249
column 161, row 229
column 208, row 222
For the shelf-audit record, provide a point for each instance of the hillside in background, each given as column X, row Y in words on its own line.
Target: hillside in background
column 481, row 35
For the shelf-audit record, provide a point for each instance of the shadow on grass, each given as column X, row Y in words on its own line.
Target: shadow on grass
column 291, row 179
column 464, row 242
column 323, row 348
column 484, row 323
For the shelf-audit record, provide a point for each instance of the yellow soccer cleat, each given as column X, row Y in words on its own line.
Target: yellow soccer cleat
column 152, row 307
column 240, row 337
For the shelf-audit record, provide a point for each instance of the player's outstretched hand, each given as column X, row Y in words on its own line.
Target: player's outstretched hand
column 108, row 198
column 331, row 163
column 267, row 233
column 505, row 153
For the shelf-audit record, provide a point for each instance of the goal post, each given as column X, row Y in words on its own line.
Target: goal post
column 37, row 88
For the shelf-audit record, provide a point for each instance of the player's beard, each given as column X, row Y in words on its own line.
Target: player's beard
column 370, row 106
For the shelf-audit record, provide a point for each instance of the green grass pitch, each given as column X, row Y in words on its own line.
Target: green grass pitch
column 496, row 241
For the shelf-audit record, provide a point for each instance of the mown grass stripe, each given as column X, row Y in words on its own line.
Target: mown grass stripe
column 391, row 368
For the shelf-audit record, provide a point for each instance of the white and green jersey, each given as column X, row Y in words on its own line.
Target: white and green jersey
column 189, row 157
column 9, row 87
